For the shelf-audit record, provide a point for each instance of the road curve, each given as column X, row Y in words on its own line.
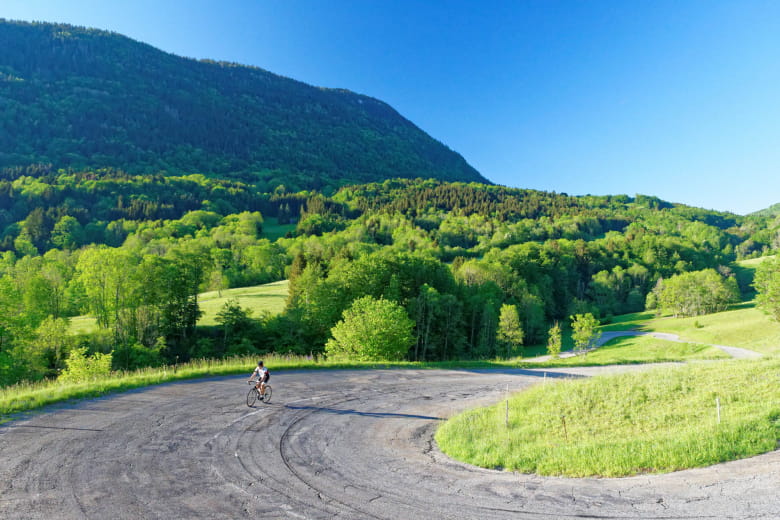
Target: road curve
column 332, row 444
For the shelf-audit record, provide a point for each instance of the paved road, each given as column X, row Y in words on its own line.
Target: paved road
column 346, row 445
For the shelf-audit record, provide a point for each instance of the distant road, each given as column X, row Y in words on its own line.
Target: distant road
column 332, row 444
column 735, row 352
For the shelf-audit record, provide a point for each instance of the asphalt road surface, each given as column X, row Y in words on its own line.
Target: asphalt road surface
column 331, row 444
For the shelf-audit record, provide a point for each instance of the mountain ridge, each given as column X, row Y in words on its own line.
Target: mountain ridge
column 87, row 98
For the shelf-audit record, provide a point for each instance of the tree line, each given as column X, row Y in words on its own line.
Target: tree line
column 472, row 285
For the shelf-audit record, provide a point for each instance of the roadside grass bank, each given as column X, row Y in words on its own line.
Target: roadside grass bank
column 662, row 420
column 24, row 397
column 639, row 349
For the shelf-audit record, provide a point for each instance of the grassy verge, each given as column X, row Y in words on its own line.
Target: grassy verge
column 29, row 396
column 657, row 421
column 640, row 349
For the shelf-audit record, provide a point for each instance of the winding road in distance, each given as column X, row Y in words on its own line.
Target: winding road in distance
column 332, row 444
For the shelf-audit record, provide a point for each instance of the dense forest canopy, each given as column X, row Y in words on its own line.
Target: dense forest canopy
column 77, row 97
column 135, row 250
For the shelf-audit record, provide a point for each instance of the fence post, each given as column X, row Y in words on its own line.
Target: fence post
column 717, row 407
column 506, row 417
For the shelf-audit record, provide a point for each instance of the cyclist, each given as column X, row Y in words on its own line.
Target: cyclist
column 262, row 377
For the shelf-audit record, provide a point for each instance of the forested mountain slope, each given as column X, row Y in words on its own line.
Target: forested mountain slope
column 771, row 211
column 76, row 97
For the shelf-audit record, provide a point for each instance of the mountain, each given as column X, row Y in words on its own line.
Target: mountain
column 771, row 211
column 86, row 98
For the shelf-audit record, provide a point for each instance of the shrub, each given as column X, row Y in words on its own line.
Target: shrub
column 79, row 367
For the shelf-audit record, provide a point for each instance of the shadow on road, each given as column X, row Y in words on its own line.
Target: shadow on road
column 21, row 426
column 381, row 415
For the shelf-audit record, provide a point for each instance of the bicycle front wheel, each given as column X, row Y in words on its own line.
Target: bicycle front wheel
column 267, row 394
column 251, row 397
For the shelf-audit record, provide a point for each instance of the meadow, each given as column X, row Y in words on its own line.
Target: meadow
column 258, row 299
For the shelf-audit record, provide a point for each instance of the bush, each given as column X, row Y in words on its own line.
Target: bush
column 79, row 367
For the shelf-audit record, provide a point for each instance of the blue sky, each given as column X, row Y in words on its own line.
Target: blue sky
column 678, row 99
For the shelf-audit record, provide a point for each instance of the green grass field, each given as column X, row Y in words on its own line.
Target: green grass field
column 657, row 421
column 639, row 349
column 258, row 299
column 270, row 297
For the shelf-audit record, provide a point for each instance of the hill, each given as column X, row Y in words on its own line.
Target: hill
column 85, row 98
column 771, row 211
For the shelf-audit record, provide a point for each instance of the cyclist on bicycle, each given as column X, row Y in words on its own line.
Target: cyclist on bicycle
column 262, row 377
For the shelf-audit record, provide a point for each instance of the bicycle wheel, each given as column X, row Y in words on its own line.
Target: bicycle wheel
column 267, row 394
column 251, row 397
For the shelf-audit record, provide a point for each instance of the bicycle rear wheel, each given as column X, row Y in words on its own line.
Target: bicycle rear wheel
column 251, row 397
column 267, row 394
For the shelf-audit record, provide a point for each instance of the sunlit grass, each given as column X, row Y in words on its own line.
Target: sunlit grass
column 744, row 326
column 640, row 349
column 270, row 297
column 657, row 421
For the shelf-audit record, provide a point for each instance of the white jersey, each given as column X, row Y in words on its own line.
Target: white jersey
column 260, row 372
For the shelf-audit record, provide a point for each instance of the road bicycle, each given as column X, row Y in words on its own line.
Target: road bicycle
column 254, row 394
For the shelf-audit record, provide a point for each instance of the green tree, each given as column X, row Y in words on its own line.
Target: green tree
column 67, row 233
column 510, row 331
column 554, row 340
column 236, row 324
column 696, row 293
column 372, row 330
column 584, row 331
column 767, row 285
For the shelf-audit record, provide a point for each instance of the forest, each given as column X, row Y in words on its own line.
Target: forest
column 84, row 98
column 450, row 261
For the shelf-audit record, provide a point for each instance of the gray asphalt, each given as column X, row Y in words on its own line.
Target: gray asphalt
column 344, row 444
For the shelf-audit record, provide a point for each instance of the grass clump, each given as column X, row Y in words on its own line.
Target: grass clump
column 657, row 421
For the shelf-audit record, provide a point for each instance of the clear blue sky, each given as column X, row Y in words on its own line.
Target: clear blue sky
column 678, row 99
